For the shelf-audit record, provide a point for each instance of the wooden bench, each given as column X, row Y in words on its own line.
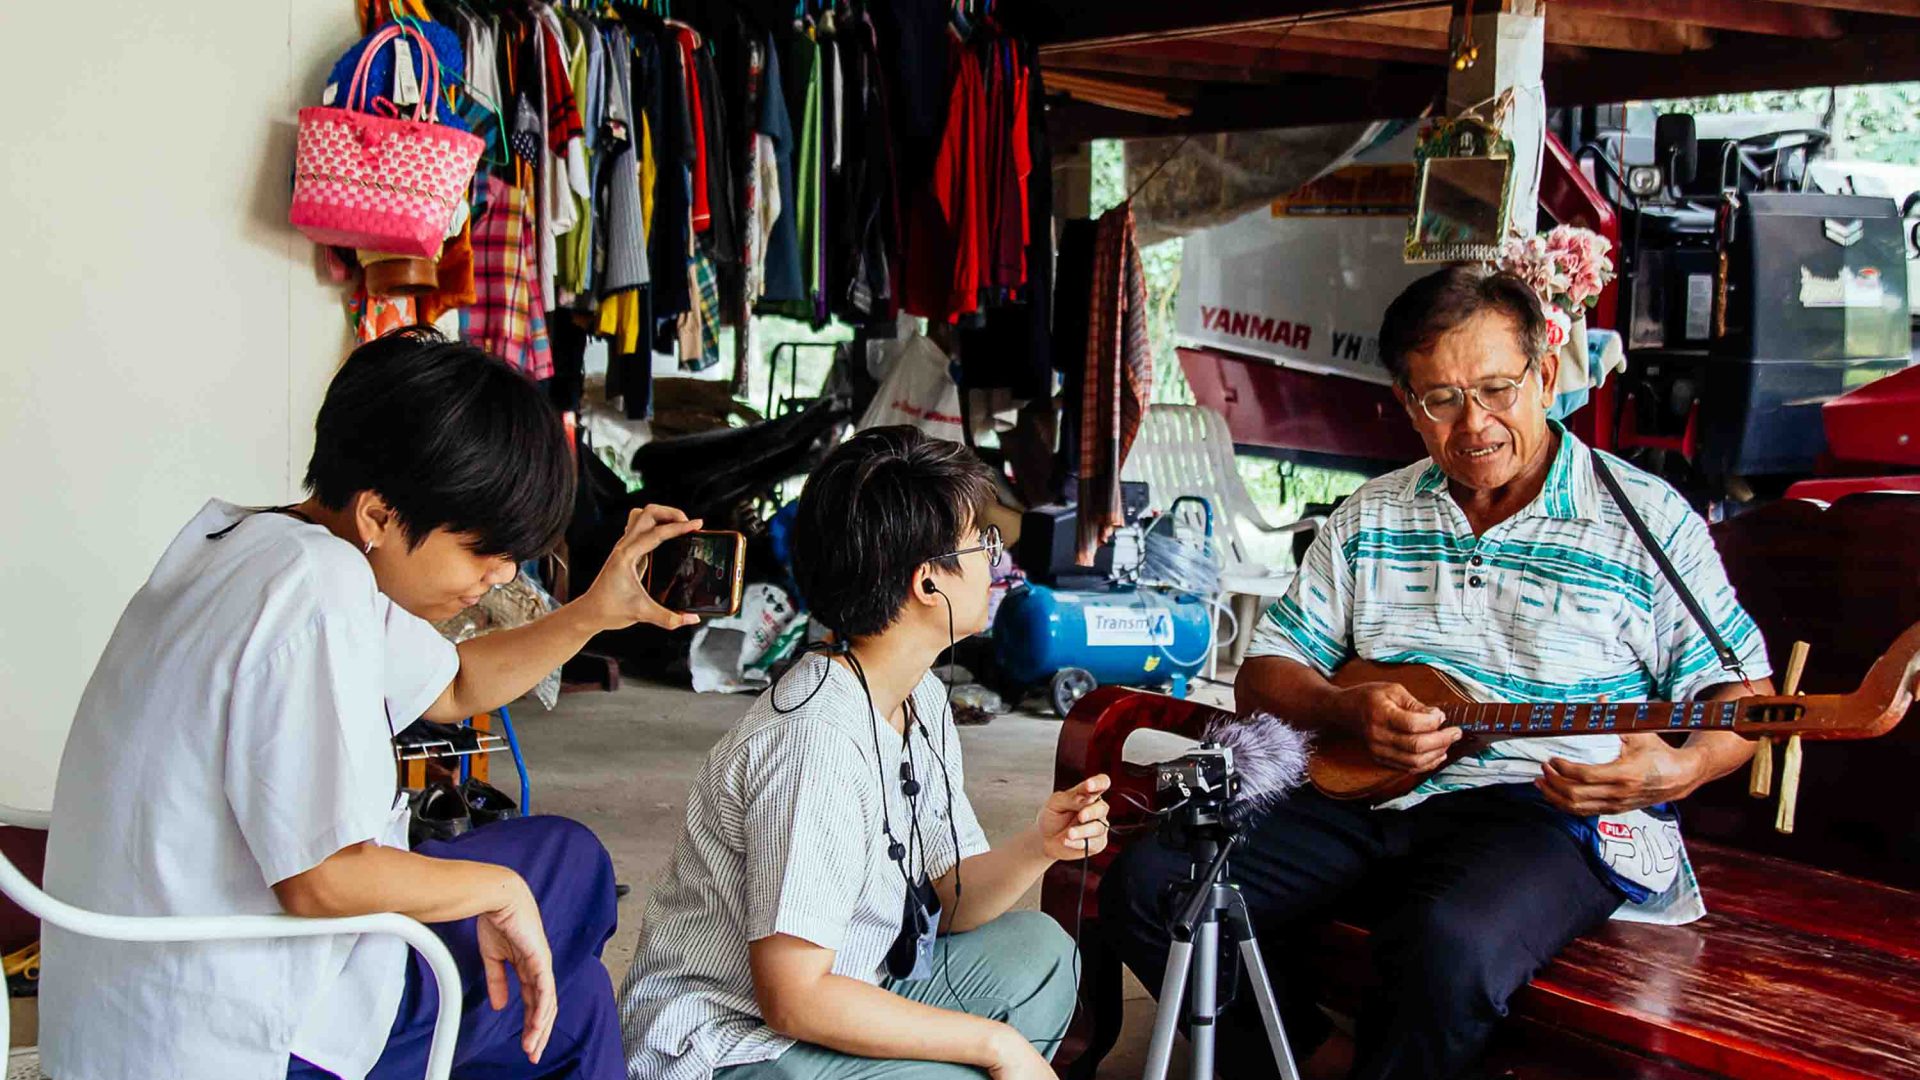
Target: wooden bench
column 1795, row 972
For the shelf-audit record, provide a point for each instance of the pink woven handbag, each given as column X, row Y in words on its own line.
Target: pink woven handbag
column 381, row 183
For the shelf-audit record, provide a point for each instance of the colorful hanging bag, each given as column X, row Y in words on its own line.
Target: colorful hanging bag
column 382, row 183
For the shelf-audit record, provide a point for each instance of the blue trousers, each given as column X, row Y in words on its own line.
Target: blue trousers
column 572, row 880
column 1467, row 895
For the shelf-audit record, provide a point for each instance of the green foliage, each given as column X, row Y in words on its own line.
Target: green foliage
column 1879, row 122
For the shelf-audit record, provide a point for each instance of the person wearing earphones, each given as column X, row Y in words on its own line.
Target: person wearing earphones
column 833, row 909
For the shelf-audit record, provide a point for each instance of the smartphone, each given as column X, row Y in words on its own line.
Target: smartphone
column 699, row 573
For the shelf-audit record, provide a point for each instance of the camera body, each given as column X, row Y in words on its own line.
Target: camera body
column 1195, row 791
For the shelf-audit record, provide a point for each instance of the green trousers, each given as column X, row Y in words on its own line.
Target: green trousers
column 1019, row 968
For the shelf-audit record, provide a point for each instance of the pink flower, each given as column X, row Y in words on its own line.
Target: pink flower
column 1567, row 267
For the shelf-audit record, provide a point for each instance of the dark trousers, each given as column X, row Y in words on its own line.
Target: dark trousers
column 1467, row 895
column 572, row 880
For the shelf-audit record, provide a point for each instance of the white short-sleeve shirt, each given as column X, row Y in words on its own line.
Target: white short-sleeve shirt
column 785, row 835
column 235, row 733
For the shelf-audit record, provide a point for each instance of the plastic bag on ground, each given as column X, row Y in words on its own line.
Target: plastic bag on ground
column 735, row 654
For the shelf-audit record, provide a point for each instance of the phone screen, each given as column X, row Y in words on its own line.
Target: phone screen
column 695, row 573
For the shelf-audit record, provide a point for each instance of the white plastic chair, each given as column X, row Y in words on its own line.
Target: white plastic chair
column 17, row 888
column 1187, row 450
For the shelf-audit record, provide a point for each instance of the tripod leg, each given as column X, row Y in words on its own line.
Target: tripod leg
column 1205, row 1026
column 1173, row 994
column 1241, row 927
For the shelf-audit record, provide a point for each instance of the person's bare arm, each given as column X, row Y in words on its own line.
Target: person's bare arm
column 366, row 878
column 499, row 667
column 1648, row 770
column 801, row 998
column 1398, row 729
column 1071, row 825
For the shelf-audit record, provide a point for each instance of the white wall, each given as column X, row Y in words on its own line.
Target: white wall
column 166, row 335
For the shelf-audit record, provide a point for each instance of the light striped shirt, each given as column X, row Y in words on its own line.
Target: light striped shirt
column 1561, row 602
column 784, row 835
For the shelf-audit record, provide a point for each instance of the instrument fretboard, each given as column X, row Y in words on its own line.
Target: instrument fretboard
column 1523, row 719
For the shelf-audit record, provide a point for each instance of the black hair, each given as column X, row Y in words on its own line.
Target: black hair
column 1444, row 299
column 884, row 502
column 451, row 437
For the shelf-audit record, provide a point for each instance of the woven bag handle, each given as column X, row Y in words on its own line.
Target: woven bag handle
column 357, row 91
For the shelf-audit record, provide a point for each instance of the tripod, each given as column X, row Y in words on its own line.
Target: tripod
column 1194, row 959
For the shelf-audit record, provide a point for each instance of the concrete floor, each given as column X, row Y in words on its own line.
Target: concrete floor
column 622, row 763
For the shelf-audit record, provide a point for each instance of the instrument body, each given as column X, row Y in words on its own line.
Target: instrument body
column 1342, row 767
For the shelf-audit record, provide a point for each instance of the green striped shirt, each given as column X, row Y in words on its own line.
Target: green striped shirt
column 1560, row 602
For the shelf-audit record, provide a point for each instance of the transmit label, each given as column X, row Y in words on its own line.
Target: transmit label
column 1128, row 626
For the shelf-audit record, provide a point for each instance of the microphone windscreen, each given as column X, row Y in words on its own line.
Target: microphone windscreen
column 1269, row 755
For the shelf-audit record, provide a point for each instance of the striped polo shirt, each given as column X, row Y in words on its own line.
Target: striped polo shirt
column 784, row 834
column 1560, row 602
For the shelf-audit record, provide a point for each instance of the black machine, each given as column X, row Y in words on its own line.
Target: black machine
column 1049, row 536
column 1748, row 300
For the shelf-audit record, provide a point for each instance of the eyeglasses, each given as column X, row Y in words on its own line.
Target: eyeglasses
column 1444, row 404
column 990, row 543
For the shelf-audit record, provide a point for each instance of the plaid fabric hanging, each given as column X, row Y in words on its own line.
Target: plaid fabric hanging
column 1118, row 382
column 507, row 318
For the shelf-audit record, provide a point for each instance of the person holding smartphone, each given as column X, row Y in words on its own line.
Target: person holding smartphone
column 833, row 909
column 232, row 755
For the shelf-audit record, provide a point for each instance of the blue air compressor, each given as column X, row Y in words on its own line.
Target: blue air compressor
column 1073, row 640
column 1149, row 625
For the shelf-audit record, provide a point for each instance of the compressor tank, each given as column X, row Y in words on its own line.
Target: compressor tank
column 1122, row 636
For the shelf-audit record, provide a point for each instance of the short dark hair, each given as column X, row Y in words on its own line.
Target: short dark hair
column 451, row 437
column 1444, row 299
column 882, row 503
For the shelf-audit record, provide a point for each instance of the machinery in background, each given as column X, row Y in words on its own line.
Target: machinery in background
column 1071, row 628
column 1759, row 280
column 1749, row 298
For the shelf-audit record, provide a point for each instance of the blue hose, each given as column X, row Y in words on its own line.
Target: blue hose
column 519, row 763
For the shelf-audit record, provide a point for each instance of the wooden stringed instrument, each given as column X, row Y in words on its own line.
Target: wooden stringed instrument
column 1342, row 767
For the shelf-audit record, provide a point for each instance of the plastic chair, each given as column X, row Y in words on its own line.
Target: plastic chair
column 17, row 888
column 1187, row 450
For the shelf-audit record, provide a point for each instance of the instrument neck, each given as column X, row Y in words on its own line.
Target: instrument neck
column 1514, row 720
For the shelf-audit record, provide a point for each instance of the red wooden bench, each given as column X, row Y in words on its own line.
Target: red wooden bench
column 1798, row 971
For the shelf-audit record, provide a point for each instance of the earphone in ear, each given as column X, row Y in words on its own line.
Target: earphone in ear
column 927, row 586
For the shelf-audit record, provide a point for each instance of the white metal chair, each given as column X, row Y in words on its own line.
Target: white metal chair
column 1187, row 450
column 17, row 888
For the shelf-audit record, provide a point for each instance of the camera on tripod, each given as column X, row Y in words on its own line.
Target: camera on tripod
column 1195, row 791
column 1203, row 812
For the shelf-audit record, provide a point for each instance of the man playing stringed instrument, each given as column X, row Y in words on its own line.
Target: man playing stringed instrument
column 1503, row 564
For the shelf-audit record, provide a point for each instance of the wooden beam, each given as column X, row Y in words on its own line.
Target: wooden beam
column 1742, row 16
column 1889, row 54
column 1117, row 95
column 1208, row 60
column 1564, row 27
column 1134, row 22
column 1909, row 9
column 1304, row 40
column 1313, row 100
column 1417, row 30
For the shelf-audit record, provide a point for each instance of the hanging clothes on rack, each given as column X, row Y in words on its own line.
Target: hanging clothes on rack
column 867, row 221
column 652, row 179
column 802, row 88
column 1015, row 347
column 948, row 231
column 1118, row 380
column 508, row 316
column 782, row 280
column 669, row 112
